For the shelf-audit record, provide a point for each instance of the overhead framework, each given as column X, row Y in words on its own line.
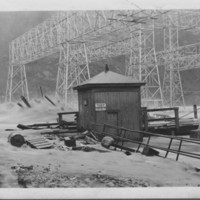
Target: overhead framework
column 175, row 57
column 83, row 37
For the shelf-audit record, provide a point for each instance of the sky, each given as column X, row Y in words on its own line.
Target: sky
column 33, row 5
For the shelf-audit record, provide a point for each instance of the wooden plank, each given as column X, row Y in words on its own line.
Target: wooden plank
column 159, row 109
column 43, row 147
column 40, row 142
column 46, row 97
column 35, row 141
column 161, row 119
column 43, row 144
column 66, row 113
column 25, row 101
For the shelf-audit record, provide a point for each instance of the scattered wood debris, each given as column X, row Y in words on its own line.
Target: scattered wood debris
column 25, row 101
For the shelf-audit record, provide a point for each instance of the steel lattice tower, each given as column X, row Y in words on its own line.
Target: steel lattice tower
column 17, row 81
column 84, row 37
column 172, row 86
column 143, row 66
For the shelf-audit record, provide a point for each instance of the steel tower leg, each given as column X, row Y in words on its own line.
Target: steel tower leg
column 17, row 83
column 70, row 73
column 143, row 66
column 172, row 85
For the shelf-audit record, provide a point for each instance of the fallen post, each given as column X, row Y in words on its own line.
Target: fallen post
column 94, row 137
column 50, row 100
column 20, row 105
column 25, row 101
column 42, row 94
column 23, row 127
column 37, row 126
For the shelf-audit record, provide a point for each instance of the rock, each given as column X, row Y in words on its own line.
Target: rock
column 150, row 151
column 107, row 141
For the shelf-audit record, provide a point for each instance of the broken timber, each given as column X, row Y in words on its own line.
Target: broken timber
column 42, row 94
column 50, row 100
column 36, row 126
column 25, row 101
column 20, row 105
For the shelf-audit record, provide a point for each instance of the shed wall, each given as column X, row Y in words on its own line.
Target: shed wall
column 122, row 108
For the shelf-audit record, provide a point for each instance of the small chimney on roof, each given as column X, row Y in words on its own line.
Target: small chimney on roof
column 106, row 68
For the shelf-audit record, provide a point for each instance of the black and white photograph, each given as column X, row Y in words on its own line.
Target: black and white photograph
column 99, row 99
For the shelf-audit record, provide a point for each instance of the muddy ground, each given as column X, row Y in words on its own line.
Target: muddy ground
column 26, row 167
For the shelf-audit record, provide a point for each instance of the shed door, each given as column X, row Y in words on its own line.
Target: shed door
column 112, row 119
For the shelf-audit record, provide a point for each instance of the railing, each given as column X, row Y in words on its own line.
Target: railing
column 146, row 119
column 122, row 137
column 176, row 119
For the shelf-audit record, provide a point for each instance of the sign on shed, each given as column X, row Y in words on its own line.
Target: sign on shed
column 100, row 106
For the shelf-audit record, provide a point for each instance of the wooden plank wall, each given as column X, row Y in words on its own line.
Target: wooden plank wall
column 125, row 101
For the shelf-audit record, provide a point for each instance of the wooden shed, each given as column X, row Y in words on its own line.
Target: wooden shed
column 110, row 98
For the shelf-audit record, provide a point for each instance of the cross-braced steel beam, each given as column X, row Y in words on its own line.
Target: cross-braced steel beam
column 83, row 37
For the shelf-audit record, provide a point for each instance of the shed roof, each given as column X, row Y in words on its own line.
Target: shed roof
column 106, row 78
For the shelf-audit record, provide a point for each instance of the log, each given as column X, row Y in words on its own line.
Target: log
column 23, row 127
column 20, row 105
column 36, row 126
column 42, row 94
column 25, row 101
column 50, row 100
column 16, row 139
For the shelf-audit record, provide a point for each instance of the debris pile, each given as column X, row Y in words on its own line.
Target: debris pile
column 63, row 135
column 60, row 139
column 29, row 176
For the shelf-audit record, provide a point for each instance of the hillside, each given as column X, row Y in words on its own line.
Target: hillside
column 43, row 72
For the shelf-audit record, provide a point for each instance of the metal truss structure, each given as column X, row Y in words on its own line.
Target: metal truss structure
column 176, row 58
column 83, row 37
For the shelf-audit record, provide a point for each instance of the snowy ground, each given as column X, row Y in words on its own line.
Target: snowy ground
column 55, row 168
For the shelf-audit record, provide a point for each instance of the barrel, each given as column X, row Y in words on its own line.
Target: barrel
column 16, row 139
